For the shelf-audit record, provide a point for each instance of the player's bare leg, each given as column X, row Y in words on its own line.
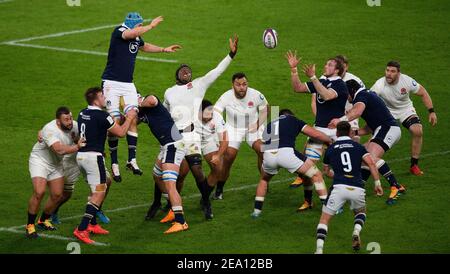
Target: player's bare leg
column 229, row 157
column 56, row 189
column 416, row 147
column 169, row 177
column 377, row 152
column 309, row 170
column 261, row 191
column 201, row 181
column 39, row 186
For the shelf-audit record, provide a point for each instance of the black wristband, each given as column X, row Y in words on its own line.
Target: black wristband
column 431, row 110
column 232, row 54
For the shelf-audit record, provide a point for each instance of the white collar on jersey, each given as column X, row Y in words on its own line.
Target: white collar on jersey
column 125, row 26
column 94, row 107
column 359, row 90
column 333, row 78
column 343, row 138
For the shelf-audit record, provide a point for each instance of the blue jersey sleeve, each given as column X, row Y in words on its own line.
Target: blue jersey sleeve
column 361, row 97
column 341, row 88
column 108, row 121
column 311, row 87
column 326, row 157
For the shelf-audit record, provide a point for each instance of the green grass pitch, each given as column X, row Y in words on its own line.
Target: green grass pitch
column 36, row 81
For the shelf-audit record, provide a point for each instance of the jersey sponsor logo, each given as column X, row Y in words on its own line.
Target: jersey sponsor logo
column 110, row 119
column 319, row 99
column 414, row 83
column 250, row 104
column 403, row 91
column 261, row 97
column 134, row 47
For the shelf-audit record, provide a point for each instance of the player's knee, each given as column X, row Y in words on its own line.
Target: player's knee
column 417, row 130
column 38, row 195
column 194, row 160
column 56, row 197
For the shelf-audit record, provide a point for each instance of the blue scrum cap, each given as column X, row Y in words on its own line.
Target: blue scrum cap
column 132, row 19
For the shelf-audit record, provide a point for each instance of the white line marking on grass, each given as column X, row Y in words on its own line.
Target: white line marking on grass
column 86, row 52
column 49, row 236
column 5, row 1
column 20, row 43
column 13, row 229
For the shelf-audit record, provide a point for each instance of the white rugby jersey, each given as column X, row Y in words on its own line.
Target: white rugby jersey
column 396, row 96
column 241, row 112
column 208, row 130
column 184, row 101
column 50, row 135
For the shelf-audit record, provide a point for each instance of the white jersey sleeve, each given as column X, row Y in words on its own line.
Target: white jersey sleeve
column 413, row 86
column 378, row 86
column 50, row 135
column 262, row 101
column 221, row 104
column 166, row 102
column 206, row 81
column 219, row 122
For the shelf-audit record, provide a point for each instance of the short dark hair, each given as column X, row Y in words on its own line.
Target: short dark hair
column 339, row 65
column 394, row 64
column 342, row 58
column 286, row 111
column 238, row 75
column 205, row 104
column 62, row 110
column 343, row 129
column 91, row 94
column 352, row 86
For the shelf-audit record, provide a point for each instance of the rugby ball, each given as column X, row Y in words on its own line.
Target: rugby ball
column 270, row 38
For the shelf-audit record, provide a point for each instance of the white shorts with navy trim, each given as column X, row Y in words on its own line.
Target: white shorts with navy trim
column 386, row 136
column 92, row 165
column 314, row 148
column 113, row 90
column 285, row 157
column 172, row 153
column 340, row 194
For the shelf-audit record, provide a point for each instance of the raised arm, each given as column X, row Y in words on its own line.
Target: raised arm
column 133, row 33
column 212, row 75
column 355, row 112
column 314, row 133
column 150, row 48
column 325, row 93
column 367, row 158
column 293, row 61
column 121, row 130
column 149, row 102
column 426, row 99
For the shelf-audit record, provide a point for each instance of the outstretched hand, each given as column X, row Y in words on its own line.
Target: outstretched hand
column 155, row 22
column 309, row 70
column 172, row 48
column 234, row 43
column 292, row 59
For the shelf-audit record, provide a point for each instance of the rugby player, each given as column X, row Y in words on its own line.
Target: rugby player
column 383, row 127
column 394, row 88
column 93, row 126
column 330, row 95
column 246, row 111
column 46, row 168
column 117, row 80
column 183, row 101
column 279, row 152
column 345, row 157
